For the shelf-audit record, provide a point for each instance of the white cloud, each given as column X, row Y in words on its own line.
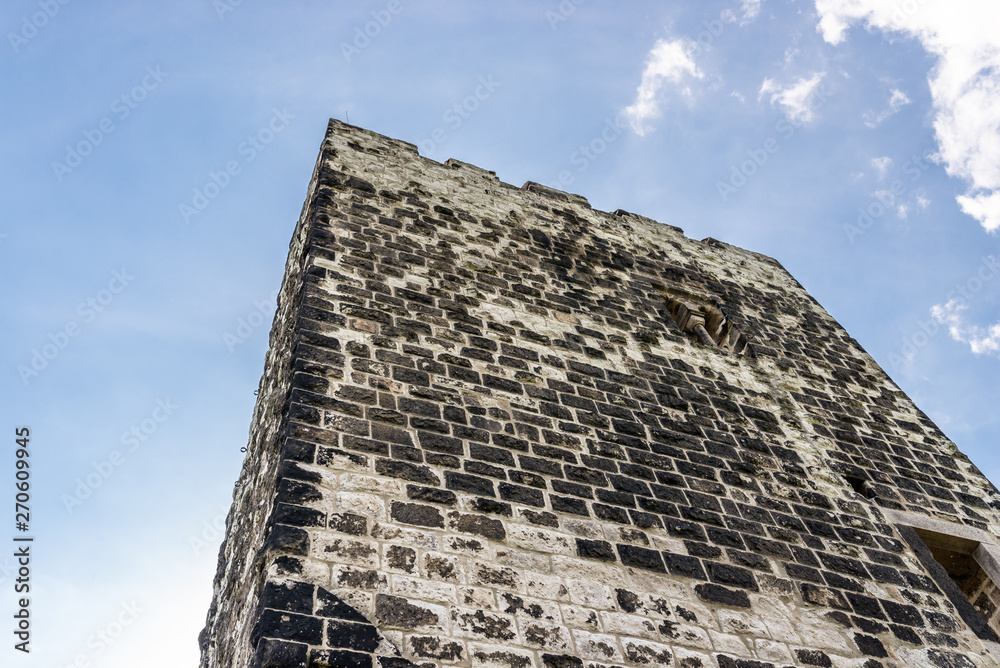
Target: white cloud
column 797, row 100
column 882, row 165
column 897, row 100
column 749, row 8
column 980, row 340
column 964, row 84
column 922, row 201
column 738, row 97
column 668, row 62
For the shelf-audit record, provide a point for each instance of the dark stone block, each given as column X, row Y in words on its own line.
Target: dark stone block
column 431, row 495
column 288, row 626
column 416, row 514
column 595, row 549
column 351, row 635
column 944, row 659
column 524, row 495
column 714, row 593
column 870, row 646
column 561, row 661
column 903, row 614
column 732, row 576
column 461, row 482
column 812, row 657
column 478, row 525
column 280, row 654
column 865, row 606
column 640, row 557
column 906, row 634
column 684, row 565
column 333, row 658
column 288, row 596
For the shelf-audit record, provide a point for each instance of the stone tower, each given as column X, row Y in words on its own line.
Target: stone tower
column 497, row 427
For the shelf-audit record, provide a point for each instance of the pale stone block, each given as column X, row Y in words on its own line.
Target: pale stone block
column 499, row 656
column 540, row 540
column 368, row 505
column 364, row 579
column 571, row 567
column 484, row 625
column 583, row 528
column 442, row 648
column 621, row 623
column 336, row 548
column 528, row 561
column 425, row 590
column 415, row 538
column 692, row 636
column 742, row 623
column 477, row 597
column 548, row 587
column 770, row 650
column 440, row 566
column 648, row 653
column 728, row 643
column 500, row 577
column 596, row 646
column 355, row 482
column 525, row 607
column 550, row 637
column 591, row 594
column 579, row 617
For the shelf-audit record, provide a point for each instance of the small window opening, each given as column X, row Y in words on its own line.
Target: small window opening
column 861, row 486
column 960, row 573
column 707, row 324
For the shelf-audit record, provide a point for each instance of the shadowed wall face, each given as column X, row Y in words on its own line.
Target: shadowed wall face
column 500, row 428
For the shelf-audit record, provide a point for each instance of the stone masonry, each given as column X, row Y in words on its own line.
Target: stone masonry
column 497, row 427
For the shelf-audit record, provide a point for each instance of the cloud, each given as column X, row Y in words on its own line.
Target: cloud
column 897, row 100
column 749, row 8
column 797, row 100
column 668, row 62
column 964, row 84
column 882, row 165
column 981, row 340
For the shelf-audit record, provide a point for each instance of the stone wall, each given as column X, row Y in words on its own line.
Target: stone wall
column 500, row 428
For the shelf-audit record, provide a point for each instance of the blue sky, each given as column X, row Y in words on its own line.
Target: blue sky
column 155, row 159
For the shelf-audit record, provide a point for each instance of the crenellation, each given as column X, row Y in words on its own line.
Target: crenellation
column 498, row 427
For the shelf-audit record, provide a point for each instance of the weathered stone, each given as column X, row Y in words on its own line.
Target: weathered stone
column 577, row 439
